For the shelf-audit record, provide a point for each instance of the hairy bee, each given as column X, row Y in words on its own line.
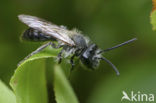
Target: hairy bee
column 72, row 42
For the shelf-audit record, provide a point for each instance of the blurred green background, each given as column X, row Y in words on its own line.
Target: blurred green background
column 107, row 23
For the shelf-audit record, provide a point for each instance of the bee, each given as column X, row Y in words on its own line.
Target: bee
column 72, row 42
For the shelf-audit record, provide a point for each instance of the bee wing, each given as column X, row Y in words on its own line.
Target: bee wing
column 48, row 28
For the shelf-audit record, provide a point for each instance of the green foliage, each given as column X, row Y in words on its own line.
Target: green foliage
column 63, row 91
column 29, row 81
column 6, row 95
column 153, row 15
column 153, row 19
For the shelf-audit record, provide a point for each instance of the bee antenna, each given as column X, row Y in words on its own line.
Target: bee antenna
column 119, row 45
column 111, row 64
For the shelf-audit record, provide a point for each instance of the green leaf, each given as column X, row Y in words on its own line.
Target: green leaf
column 29, row 79
column 153, row 15
column 153, row 19
column 63, row 91
column 6, row 95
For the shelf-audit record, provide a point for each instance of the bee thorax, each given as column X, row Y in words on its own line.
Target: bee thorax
column 79, row 41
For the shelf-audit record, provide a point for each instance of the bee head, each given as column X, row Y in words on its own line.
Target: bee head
column 90, row 56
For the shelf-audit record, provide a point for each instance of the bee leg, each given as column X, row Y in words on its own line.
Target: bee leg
column 35, row 52
column 72, row 63
column 60, row 56
column 56, row 46
column 59, row 46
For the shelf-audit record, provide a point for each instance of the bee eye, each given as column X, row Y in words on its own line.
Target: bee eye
column 93, row 51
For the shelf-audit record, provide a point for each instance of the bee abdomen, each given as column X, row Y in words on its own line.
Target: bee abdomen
column 35, row 35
